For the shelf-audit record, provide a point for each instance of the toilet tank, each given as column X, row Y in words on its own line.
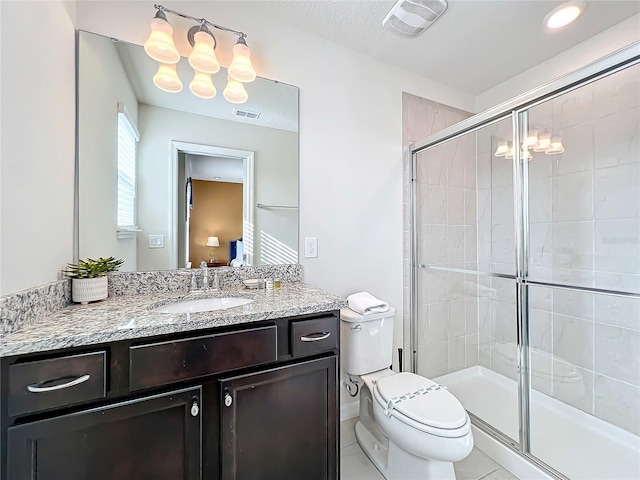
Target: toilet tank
column 367, row 341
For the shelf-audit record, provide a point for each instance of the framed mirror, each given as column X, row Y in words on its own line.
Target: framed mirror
column 168, row 179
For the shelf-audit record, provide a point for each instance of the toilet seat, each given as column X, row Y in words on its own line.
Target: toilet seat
column 421, row 404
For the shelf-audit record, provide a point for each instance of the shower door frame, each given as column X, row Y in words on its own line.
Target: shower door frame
column 516, row 109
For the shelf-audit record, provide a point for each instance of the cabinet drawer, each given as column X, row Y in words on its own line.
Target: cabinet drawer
column 57, row 382
column 313, row 336
column 174, row 361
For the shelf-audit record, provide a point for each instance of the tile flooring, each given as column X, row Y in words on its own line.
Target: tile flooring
column 356, row 466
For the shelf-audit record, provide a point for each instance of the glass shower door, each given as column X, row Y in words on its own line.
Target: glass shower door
column 584, row 278
column 465, row 273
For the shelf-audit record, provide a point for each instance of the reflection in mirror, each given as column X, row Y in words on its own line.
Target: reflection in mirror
column 159, row 173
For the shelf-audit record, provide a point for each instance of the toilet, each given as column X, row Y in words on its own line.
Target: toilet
column 410, row 427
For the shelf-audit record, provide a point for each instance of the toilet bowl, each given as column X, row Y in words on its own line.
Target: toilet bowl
column 410, row 427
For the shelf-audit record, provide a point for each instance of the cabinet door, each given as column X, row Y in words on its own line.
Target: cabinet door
column 281, row 423
column 152, row 438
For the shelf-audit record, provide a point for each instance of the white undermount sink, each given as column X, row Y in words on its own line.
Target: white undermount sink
column 202, row 305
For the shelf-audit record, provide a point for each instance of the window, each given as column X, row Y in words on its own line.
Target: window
column 128, row 138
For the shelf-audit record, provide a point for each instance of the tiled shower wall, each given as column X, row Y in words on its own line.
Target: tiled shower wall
column 584, row 222
column 447, row 190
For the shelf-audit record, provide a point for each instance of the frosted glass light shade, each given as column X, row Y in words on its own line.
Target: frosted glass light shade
column 202, row 86
column 556, row 146
column 159, row 45
column 234, row 92
column 203, row 57
column 241, row 68
column 564, row 14
column 166, row 78
column 502, row 149
column 544, row 143
column 532, row 139
column 213, row 242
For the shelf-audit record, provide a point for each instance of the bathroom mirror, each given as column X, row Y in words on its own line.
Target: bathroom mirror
column 245, row 156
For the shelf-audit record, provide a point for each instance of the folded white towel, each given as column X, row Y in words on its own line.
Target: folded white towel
column 364, row 303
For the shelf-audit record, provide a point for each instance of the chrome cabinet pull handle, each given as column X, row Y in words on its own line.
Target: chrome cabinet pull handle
column 37, row 388
column 314, row 337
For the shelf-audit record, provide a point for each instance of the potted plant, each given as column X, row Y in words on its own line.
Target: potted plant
column 89, row 278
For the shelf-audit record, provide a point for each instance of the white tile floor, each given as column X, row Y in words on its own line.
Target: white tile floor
column 356, row 466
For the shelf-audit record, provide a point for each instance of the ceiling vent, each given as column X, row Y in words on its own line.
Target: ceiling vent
column 246, row 114
column 412, row 17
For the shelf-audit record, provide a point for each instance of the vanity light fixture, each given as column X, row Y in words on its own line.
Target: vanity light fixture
column 202, row 59
column 502, row 149
column 564, row 14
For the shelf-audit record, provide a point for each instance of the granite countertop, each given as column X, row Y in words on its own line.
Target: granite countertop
column 129, row 317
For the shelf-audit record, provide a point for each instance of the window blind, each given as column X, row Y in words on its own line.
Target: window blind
column 127, row 158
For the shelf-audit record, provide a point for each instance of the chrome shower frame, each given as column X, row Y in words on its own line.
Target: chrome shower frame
column 516, row 109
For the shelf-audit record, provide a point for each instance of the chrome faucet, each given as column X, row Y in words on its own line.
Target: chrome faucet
column 216, row 282
column 205, row 277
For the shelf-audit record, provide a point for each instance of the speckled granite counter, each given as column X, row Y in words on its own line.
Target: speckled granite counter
column 129, row 317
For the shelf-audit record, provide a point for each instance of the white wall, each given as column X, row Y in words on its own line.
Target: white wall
column 609, row 41
column 103, row 84
column 38, row 142
column 276, row 152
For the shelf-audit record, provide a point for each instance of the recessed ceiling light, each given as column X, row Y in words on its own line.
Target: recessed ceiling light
column 564, row 14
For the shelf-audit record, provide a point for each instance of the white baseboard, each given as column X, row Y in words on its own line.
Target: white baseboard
column 349, row 410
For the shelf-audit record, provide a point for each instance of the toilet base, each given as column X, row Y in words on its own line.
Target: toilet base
column 395, row 463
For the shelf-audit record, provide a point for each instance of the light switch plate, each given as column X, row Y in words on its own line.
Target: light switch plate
column 156, row 241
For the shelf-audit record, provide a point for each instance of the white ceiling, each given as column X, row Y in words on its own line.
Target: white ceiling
column 474, row 46
column 215, row 169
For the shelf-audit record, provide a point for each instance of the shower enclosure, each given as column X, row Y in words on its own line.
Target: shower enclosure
column 526, row 269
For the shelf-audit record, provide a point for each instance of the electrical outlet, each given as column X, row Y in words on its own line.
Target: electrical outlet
column 311, row 247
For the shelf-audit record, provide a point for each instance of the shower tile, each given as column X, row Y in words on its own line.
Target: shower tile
column 578, row 154
column 618, row 353
column 484, row 351
column 484, row 316
column 503, row 322
column 540, row 330
column 470, row 171
column 456, row 318
column 573, row 108
column 458, row 159
column 541, row 166
column 437, row 286
column 573, row 304
column 617, row 139
column 433, row 166
column 540, row 198
column 433, row 208
column 540, row 246
column 503, row 359
column 471, row 350
column 617, row 246
column 502, row 204
column 503, row 290
column 484, row 170
column 438, row 322
column 434, row 244
column 573, row 197
column 573, row 385
column 618, row 403
column 455, row 206
column 573, row 245
column 484, row 206
column 433, row 359
column 541, row 372
column 617, row 92
column 620, row 311
column 503, row 247
column 617, row 192
column 470, row 210
column 456, row 360
column 622, row 282
column 423, row 324
column 471, row 316
column 470, row 244
column 455, row 244
column 573, row 340
column 501, row 172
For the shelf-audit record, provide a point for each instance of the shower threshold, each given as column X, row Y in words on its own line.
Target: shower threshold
column 576, row 444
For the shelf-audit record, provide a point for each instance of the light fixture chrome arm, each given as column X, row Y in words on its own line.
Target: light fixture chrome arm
column 202, row 21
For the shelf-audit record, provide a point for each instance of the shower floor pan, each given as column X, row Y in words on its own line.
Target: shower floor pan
column 578, row 445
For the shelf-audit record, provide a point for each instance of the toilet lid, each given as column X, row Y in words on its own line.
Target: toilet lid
column 437, row 408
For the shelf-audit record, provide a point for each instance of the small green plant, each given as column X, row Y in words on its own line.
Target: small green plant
column 91, row 268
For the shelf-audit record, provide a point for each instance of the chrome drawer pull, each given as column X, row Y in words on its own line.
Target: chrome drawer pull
column 314, row 337
column 37, row 388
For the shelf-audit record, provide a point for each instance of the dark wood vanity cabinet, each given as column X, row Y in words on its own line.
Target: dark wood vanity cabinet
column 253, row 401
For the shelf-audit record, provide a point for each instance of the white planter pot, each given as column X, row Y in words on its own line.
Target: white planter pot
column 85, row 290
